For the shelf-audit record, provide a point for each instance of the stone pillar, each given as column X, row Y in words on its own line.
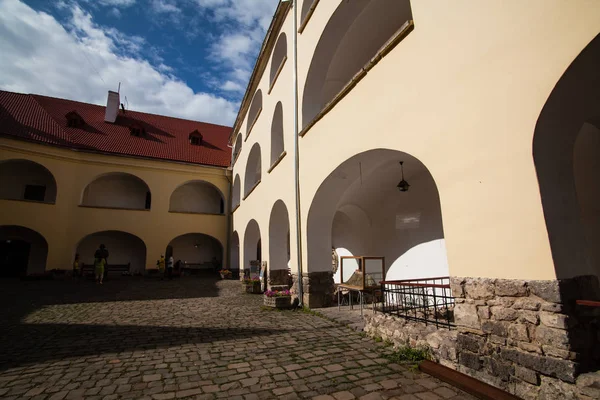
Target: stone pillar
column 318, row 288
column 528, row 337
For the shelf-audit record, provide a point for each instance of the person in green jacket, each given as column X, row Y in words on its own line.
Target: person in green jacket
column 99, row 264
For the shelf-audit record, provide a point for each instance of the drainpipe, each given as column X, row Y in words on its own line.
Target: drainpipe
column 229, row 212
column 296, row 151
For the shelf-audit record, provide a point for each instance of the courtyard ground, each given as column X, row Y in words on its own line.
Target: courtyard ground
column 135, row 338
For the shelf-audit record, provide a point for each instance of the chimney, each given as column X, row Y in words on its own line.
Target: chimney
column 112, row 107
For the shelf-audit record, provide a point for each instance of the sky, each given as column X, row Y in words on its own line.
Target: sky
column 183, row 58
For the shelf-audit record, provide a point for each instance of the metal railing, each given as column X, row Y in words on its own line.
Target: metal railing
column 427, row 300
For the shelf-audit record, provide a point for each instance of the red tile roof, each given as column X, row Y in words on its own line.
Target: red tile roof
column 44, row 119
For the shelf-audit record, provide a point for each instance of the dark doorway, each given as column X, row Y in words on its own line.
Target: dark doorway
column 169, row 252
column 14, row 256
column 259, row 251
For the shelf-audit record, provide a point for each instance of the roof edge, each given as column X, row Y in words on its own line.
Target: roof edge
column 261, row 62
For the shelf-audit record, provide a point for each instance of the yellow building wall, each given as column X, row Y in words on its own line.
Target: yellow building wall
column 65, row 223
column 462, row 93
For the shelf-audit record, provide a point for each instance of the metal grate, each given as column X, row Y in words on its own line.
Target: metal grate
column 427, row 300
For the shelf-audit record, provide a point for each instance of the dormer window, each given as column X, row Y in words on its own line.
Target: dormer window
column 74, row 120
column 195, row 138
column 137, row 130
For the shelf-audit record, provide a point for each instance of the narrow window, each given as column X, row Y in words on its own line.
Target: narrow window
column 148, row 200
column 222, row 207
column 35, row 192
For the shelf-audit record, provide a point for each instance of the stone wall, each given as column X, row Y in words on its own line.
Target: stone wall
column 279, row 277
column 526, row 337
column 317, row 288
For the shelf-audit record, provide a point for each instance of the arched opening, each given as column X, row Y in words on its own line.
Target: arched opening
column 197, row 197
column 236, row 195
column 353, row 36
column 252, row 245
column 358, row 210
column 278, row 58
column 235, row 252
column 123, row 249
column 26, row 180
column 117, row 190
column 237, row 147
column 196, row 252
column 566, row 152
column 253, row 169
column 279, row 244
column 277, row 133
column 23, row 251
column 254, row 111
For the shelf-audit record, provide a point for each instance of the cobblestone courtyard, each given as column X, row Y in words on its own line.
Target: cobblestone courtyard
column 136, row 338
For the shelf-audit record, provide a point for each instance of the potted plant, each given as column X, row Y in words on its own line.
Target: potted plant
column 251, row 285
column 225, row 274
column 278, row 298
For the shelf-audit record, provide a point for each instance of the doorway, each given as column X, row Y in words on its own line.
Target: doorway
column 14, row 257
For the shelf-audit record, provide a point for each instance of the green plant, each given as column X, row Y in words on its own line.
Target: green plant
column 409, row 354
column 378, row 339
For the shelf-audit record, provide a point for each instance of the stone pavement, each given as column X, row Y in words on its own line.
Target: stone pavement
column 135, row 338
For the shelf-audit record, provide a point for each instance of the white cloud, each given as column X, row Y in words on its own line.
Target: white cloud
column 165, row 6
column 230, row 86
column 83, row 60
column 117, row 3
column 245, row 23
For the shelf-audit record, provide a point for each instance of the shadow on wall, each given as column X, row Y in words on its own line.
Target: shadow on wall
column 566, row 150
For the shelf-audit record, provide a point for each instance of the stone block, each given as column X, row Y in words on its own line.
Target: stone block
column 526, row 316
column 561, row 369
column 589, row 384
column 456, row 285
column 547, row 290
column 469, row 360
column 525, row 390
column 479, row 288
column 518, row 332
column 510, row 287
column 552, row 389
column 530, row 347
column 497, row 340
column 527, row 375
column 498, row 328
column 552, row 307
column 559, row 353
column 498, row 368
column 483, row 312
column 466, row 315
column 471, row 343
column 554, row 320
column 558, row 338
column 505, row 302
column 527, row 303
column 501, row 313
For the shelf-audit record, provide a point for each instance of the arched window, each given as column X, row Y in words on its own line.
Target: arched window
column 197, row 197
column 195, row 138
column 26, row 180
column 254, row 112
column 237, row 148
column 235, row 199
column 118, row 190
column 355, row 33
column 277, row 134
column 253, row 170
column 278, row 59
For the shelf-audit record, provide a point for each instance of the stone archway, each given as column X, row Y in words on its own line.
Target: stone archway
column 123, row 247
column 27, row 180
column 23, row 251
column 252, row 241
column 358, row 208
column 117, row 190
column 279, row 244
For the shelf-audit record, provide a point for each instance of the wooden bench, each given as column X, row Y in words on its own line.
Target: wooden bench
column 89, row 269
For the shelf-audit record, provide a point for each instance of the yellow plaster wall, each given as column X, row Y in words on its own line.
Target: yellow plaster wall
column 65, row 223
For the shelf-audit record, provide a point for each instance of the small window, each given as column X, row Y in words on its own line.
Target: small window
column 35, row 192
column 137, row 131
column 222, row 207
column 195, row 138
column 74, row 120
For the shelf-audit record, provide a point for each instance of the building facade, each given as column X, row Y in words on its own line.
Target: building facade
column 492, row 108
column 143, row 185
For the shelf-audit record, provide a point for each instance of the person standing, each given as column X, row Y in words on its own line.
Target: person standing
column 170, row 268
column 102, row 252
column 99, row 264
column 76, row 269
column 161, row 266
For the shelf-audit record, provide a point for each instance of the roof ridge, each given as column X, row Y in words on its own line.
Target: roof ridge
column 66, row 134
